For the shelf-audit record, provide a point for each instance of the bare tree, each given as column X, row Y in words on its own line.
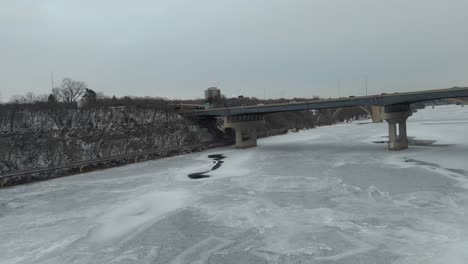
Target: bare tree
column 70, row 90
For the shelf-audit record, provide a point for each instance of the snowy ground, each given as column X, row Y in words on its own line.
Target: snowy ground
column 327, row 195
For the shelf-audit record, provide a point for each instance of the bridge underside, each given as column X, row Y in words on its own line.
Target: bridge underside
column 245, row 128
column 393, row 108
column 375, row 112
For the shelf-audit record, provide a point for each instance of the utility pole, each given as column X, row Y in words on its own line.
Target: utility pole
column 52, row 79
column 339, row 88
column 366, row 85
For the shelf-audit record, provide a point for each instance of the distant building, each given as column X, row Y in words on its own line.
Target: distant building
column 212, row 93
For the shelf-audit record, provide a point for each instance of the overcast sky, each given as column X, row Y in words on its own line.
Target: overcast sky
column 272, row 48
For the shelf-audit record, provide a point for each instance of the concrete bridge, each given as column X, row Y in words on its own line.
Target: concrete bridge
column 393, row 108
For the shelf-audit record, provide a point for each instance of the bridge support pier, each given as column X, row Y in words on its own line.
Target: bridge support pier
column 246, row 137
column 377, row 113
column 396, row 116
column 245, row 128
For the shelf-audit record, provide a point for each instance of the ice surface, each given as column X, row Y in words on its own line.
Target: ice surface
column 327, row 195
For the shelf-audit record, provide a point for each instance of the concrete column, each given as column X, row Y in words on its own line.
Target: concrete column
column 246, row 137
column 377, row 113
column 392, row 134
column 397, row 138
column 402, row 133
column 253, row 134
column 238, row 136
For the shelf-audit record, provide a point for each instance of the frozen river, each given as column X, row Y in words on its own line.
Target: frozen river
column 327, row 195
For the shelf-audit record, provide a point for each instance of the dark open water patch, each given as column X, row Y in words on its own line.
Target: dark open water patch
column 217, row 160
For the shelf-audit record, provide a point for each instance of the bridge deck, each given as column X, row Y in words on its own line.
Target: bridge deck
column 378, row 100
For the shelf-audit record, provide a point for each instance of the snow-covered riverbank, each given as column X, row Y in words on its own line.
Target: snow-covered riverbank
column 327, row 195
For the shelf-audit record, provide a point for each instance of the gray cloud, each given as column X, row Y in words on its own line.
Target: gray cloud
column 176, row 48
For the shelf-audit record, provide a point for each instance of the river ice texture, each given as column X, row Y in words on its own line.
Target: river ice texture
column 326, row 195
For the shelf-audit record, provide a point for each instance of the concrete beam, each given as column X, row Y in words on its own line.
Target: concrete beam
column 377, row 113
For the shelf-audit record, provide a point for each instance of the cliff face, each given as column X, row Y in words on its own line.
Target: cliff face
column 49, row 135
column 31, row 138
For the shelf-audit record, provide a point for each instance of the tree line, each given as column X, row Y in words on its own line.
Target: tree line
column 73, row 94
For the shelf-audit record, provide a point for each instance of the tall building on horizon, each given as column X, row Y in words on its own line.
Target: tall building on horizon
column 212, row 93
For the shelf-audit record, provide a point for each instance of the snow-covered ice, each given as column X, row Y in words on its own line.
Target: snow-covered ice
column 327, row 195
